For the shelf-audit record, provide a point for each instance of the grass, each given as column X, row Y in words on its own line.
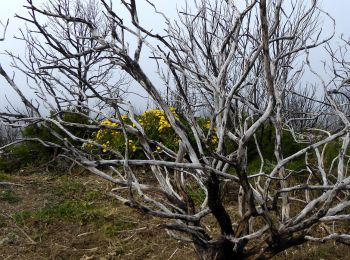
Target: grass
column 70, row 187
column 196, row 193
column 4, row 176
column 74, row 215
column 2, row 220
column 77, row 205
column 75, row 212
column 9, row 196
column 312, row 251
column 78, row 212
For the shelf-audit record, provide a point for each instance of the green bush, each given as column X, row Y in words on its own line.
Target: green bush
column 33, row 153
column 156, row 127
column 266, row 139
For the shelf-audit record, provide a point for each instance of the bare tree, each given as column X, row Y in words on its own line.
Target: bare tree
column 52, row 62
column 64, row 82
column 4, row 29
column 240, row 65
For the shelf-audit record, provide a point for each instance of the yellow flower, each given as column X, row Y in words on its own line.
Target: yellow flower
column 106, row 122
column 115, row 133
column 134, row 148
column 214, row 139
column 99, row 135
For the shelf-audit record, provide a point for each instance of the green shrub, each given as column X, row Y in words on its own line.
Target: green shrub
column 156, row 127
column 33, row 153
column 24, row 154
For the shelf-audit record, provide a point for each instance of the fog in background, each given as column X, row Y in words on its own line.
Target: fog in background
column 338, row 9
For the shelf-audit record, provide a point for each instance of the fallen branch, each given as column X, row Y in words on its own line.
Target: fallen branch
column 11, row 184
column 32, row 242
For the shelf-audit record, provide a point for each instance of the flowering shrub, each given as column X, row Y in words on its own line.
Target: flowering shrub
column 157, row 117
column 206, row 125
column 156, row 127
column 111, row 139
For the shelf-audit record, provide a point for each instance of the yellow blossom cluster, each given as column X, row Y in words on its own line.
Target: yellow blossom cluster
column 207, row 124
column 132, row 145
column 214, row 138
column 112, row 138
column 99, row 134
column 154, row 123
column 160, row 115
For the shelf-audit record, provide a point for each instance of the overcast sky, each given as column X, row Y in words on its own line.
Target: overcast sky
column 11, row 7
column 339, row 9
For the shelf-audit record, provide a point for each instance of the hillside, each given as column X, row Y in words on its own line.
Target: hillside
column 46, row 216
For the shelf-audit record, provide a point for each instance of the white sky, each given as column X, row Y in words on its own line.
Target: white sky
column 338, row 9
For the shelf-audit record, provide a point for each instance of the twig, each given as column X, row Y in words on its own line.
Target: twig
column 132, row 230
column 11, row 184
column 20, row 229
column 173, row 253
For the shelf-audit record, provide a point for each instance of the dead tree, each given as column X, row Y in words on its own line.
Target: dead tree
column 239, row 63
column 59, row 57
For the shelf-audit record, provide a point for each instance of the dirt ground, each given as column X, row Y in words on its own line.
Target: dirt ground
column 35, row 225
column 48, row 216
